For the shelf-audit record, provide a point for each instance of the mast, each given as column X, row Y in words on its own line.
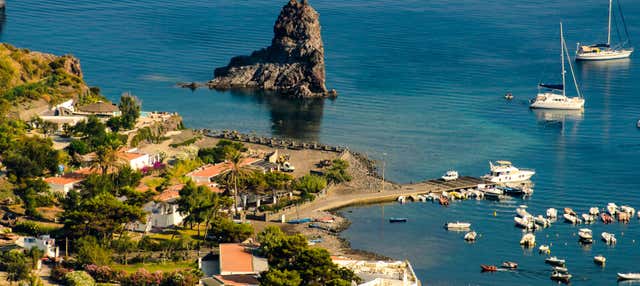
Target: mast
column 562, row 59
column 609, row 27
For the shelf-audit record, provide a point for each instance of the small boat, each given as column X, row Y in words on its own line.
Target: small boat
column 508, row 96
column 585, row 234
column 523, row 213
column 488, row 268
column 599, row 259
column 470, row 236
column 492, row 193
column 629, row 276
column 560, row 269
column 552, row 213
column 402, row 199
column 528, row 240
column 421, row 198
column 570, row 211
column 544, row 222
column 572, row 219
column 509, row 265
column 612, row 208
column 559, row 276
column 627, row 209
column 609, row 238
column 456, row 195
column 544, row 249
column 431, row 197
column 457, row 225
column 450, row 175
column 524, row 223
column 587, row 218
column 443, row 200
column 398, row 219
column 505, row 172
column 594, row 211
column 555, row 261
column 623, row 217
column 300, row 221
column 606, row 218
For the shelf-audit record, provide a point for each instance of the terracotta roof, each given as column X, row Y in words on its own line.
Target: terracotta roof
column 99, row 107
column 63, row 180
column 85, row 172
column 212, row 187
column 220, row 168
column 130, row 155
column 234, row 259
column 238, row 279
column 167, row 195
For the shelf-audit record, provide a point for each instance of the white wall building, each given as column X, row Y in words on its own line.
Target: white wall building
column 380, row 273
column 137, row 159
column 43, row 242
column 63, row 184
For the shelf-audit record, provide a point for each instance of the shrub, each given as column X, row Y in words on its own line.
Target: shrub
column 79, row 278
column 143, row 277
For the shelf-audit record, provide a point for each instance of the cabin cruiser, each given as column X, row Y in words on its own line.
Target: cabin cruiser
column 599, row 259
column 528, row 240
column 505, row 172
column 457, row 225
column 612, row 208
column 552, row 213
column 609, row 238
column 450, row 175
column 560, row 276
column 555, row 261
column 586, row 235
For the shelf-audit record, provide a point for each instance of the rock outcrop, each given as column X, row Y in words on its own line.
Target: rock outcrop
column 294, row 63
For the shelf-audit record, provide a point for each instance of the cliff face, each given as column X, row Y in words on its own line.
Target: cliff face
column 294, row 63
column 28, row 75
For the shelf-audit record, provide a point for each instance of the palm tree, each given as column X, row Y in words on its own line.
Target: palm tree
column 237, row 172
column 107, row 159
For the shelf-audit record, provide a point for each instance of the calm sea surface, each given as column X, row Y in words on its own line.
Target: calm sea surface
column 421, row 81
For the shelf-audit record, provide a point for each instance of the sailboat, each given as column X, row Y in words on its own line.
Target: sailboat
column 605, row 51
column 550, row 97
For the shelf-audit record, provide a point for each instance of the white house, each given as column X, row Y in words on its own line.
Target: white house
column 43, row 242
column 137, row 159
column 380, row 273
column 161, row 213
column 63, row 184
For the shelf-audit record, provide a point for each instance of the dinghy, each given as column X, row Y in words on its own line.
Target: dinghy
column 572, row 218
column 488, row 268
column 544, row 222
column 555, row 261
column 528, row 240
column 457, row 225
column 544, row 249
column 509, row 265
column 470, row 236
column 609, row 238
column 612, row 208
column 599, row 259
column 588, row 218
column 594, row 211
column 586, row 235
column 606, row 218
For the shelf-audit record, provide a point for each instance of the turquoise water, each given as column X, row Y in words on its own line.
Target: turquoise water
column 421, row 81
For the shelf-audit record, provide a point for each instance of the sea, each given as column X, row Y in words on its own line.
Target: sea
column 421, row 88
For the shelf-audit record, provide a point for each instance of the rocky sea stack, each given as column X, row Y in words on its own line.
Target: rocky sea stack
column 294, row 63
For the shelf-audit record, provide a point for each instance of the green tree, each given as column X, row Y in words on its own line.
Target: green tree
column 90, row 251
column 35, row 254
column 225, row 230
column 16, row 265
column 221, row 151
column 124, row 245
column 275, row 277
column 200, row 204
column 310, row 184
column 30, row 157
column 130, row 109
column 79, row 278
column 338, row 173
column 107, row 159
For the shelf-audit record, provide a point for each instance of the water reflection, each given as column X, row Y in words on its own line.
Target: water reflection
column 610, row 65
column 553, row 116
column 290, row 118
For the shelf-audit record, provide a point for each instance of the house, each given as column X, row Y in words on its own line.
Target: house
column 43, row 242
column 237, row 266
column 137, row 159
column 380, row 273
column 104, row 109
column 63, row 184
column 207, row 173
column 162, row 212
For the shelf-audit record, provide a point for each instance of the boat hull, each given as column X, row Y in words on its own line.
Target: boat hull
column 572, row 103
column 604, row 56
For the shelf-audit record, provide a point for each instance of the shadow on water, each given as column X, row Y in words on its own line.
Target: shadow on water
column 3, row 17
column 290, row 118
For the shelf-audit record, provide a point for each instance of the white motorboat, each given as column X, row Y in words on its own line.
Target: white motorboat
column 552, row 213
column 594, row 211
column 402, row 199
column 528, row 240
column 561, row 269
column 544, row 249
column 572, row 219
column 587, row 218
column 627, row 209
column 470, row 236
column 457, row 225
column 542, row 221
column 598, row 52
column 450, row 175
column 560, row 276
column 629, row 276
column 554, row 96
column 523, row 213
column 599, row 259
column 609, row 238
column 524, row 223
column 505, row 172
column 585, row 234
column 491, row 193
column 612, row 209
column 555, row 261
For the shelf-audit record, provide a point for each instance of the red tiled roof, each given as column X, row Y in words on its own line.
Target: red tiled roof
column 167, row 195
column 238, row 279
column 130, row 156
column 234, row 259
column 64, row 180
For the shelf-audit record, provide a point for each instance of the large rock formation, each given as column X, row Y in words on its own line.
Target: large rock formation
column 294, row 63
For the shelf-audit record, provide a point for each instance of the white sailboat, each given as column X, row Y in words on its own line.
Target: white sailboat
column 598, row 52
column 550, row 97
